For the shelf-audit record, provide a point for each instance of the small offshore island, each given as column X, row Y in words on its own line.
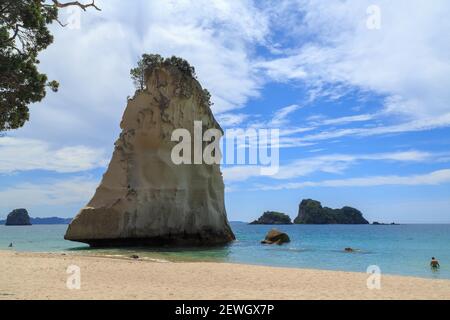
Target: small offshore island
column 272, row 217
column 18, row 217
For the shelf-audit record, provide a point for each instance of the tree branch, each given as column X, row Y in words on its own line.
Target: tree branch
column 6, row 7
column 16, row 32
column 76, row 3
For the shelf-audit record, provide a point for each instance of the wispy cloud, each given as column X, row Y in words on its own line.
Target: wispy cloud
column 411, row 126
column 402, row 61
column 335, row 164
column 231, row 119
column 346, row 120
column 59, row 192
column 18, row 154
column 432, row 178
column 216, row 37
column 280, row 117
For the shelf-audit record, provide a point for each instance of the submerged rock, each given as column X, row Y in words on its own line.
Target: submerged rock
column 312, row 212
column 144, row 197
column 275, row 236
column 271, row 217
column 18, row 217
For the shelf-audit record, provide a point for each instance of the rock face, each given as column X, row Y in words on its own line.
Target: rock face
column 275, row 236
column 144, row 198
column 312, row 212
column 271, row 217
column 18, row 217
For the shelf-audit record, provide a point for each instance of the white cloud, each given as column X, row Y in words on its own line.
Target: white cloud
column 335, row 164
column 423, row 124
column 338, row 163
column 433, row 178
column 18, row 154
column 406, row 60
column 280, row 117
column 289, row 138
column 93, row 63
column 61, row 192
column 329, row 48
column 240, row 173
column 348, row 119
column 231, row 119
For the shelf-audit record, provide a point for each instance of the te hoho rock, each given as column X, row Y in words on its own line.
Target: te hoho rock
column 146, row 199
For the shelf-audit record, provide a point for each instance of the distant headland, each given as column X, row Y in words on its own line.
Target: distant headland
column 311, row 212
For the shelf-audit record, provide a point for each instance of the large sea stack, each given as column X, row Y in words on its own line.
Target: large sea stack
column 144, row 198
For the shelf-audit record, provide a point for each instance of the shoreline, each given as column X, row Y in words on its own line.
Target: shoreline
column 27, row 275
column 160, row 258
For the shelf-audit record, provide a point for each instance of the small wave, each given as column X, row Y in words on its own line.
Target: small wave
column 156, row 260
column 122, row 256
column 296, row 249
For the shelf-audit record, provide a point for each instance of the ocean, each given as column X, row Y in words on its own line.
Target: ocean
column 395, row 249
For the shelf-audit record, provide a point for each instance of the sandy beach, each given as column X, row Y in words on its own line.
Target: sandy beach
column 43, row 276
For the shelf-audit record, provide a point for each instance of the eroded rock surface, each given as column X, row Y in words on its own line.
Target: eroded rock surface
column 146, row 199
column 275, row 236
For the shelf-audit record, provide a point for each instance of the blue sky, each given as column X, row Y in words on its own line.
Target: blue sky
column 363, row 113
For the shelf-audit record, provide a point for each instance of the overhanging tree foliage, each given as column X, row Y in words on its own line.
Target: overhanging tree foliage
column 23, row 34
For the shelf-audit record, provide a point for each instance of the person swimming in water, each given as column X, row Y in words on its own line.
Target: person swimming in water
column 434, row 264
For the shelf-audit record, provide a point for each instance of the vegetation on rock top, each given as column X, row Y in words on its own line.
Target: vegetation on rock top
column 273, row 217
column 312, row 212
column 149, row 62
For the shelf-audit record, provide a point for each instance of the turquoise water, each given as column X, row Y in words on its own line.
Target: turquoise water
column 402, row 250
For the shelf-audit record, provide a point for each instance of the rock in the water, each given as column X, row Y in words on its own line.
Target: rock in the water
column 312, row 212
column 271, row 217
column 144, row 197
column 18, row 217
column 376, row 223
column 276, row 237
